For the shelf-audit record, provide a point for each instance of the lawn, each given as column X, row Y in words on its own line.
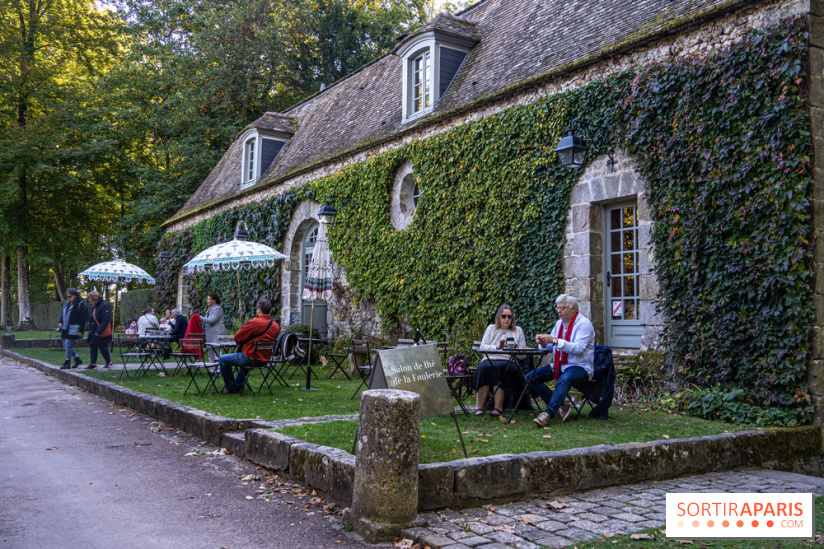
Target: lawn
column 34, row 335
column 484, row 436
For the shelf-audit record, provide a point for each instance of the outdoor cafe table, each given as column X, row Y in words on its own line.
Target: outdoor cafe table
column 514, row 354
column 156, row 343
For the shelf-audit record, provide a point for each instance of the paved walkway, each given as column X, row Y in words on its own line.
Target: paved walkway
column 588, row 516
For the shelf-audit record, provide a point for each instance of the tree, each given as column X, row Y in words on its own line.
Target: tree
column 197, row 72
column 49, row 54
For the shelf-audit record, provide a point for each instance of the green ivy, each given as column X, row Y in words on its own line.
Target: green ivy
column 266, row 221
column 724, row 145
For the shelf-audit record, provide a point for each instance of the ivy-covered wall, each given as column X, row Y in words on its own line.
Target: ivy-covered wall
column 723, row 142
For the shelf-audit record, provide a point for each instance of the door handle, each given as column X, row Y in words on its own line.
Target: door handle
column 609, row 276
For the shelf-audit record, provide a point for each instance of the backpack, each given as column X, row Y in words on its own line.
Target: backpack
column 457, row 365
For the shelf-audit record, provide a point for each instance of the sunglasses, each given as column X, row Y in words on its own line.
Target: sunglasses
column 506, row 316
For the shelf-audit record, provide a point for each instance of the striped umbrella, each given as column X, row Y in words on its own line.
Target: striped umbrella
column 318, row 284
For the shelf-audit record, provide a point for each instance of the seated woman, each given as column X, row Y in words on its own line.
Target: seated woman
column 491, row 368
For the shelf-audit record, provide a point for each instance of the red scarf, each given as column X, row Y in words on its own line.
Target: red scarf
column 561, row 357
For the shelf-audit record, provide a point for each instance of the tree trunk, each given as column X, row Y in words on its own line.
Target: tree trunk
column 5, row 292
column 23, row 296
column 59, row 282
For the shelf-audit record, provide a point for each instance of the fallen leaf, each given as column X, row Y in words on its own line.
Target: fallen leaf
column 52, row 448
column 505, row 529
column 483, row 440
column 529, row 522
column 249, row 497
column 666, row 437
column 556, row 505
column 608, row 535
column 684, row 541
column 548, row 436
column 484, row 522
column 641, row 536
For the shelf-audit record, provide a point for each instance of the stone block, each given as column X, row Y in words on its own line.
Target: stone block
column 214, row 427
column 580, row 244
column 580, row 218
column 816, row 11
column 472, row 478
column 817, row 342
column 177, row 416
column 581, row 289
column 612, row 184
column 627, row 186
column 651, row 338
column 580, row 194
column 435, row 482
column 815, row 376
column 269, row 448
column 596, row 190
column 7, row 341
column 648, row 287
column 317, row 464
column 234, row 443
column 342, row 474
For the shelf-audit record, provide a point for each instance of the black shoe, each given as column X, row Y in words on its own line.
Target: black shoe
column 66, row 365
column 77, row 362
column 91, row 366
column 226, row 391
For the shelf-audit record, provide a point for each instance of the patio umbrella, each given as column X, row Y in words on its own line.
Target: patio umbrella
column 116, row 271
column 238, row 255
column 318, row 284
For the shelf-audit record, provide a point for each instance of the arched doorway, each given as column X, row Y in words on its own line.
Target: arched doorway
column 318, row 320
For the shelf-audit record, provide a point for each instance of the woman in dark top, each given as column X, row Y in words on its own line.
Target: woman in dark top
column 100, row 330
column 72, row 322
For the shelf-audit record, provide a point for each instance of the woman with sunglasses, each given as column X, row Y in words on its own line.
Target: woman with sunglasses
column 491, row 368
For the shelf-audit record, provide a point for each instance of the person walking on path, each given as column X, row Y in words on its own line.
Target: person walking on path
column 71, row 325
column 573, row 340
column 212, row 321
column 100, row 331
column 260, row 328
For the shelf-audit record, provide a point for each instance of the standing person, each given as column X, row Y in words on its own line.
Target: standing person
column 212, row 321
column 72, row 322
column 491, row 368
column 260, row 328
column 573, row 340
column 179, row 325
column 147, row 321
column 100, row 332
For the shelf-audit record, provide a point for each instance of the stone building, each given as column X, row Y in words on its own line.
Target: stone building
column 493, row 56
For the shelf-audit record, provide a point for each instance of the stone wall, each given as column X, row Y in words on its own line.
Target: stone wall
column 815, row 368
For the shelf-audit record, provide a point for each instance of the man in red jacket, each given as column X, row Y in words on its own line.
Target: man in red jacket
column 260, row 328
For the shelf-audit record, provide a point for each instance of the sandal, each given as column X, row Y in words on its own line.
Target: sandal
column 496, row 412
column 479, row 412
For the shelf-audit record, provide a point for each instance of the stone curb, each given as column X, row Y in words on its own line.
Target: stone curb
column 469, row 482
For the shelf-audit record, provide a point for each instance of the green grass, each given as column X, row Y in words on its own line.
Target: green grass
column 484, row 436
column 34, row 335
column 659, row 539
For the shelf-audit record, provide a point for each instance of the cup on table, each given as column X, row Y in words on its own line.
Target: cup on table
column 510, row 343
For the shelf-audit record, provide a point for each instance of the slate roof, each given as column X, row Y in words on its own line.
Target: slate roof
column 519, row 40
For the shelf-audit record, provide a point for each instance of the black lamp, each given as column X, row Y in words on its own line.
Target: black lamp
column 327, row 213
column 240, row 232
column 571, row 151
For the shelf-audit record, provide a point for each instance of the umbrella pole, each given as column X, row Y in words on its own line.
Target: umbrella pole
column 239, row 301
column 309, row 355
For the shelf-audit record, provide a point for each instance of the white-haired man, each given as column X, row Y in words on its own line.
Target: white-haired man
column 573, row 340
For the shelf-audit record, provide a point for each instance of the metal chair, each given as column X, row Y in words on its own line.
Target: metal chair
column 360, row 355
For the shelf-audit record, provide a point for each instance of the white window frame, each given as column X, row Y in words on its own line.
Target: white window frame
column 416, row 48
column 252, row 152
column 422, row 82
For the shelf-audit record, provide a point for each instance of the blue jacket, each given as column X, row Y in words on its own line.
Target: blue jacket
column 77, row 318
column 179, row 330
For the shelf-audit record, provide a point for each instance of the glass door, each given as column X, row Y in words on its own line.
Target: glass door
column 623, row 327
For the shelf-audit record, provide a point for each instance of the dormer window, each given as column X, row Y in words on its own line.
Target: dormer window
column 259, row 152
column 423, row 82
column 432, row 57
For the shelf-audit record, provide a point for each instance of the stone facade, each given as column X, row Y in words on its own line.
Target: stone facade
column 584, row 263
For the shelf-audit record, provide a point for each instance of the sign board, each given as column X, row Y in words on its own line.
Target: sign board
column 618, row 309
column 417, row 369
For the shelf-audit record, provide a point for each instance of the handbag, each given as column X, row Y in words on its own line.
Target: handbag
column 106, row 332
column 457, row 365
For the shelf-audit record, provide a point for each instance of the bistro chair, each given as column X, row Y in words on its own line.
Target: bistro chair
column 360, row 359
column 129, row 348
column 286, row 352
column 598, row 392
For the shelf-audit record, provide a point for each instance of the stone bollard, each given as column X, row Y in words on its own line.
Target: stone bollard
column 385, row 495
